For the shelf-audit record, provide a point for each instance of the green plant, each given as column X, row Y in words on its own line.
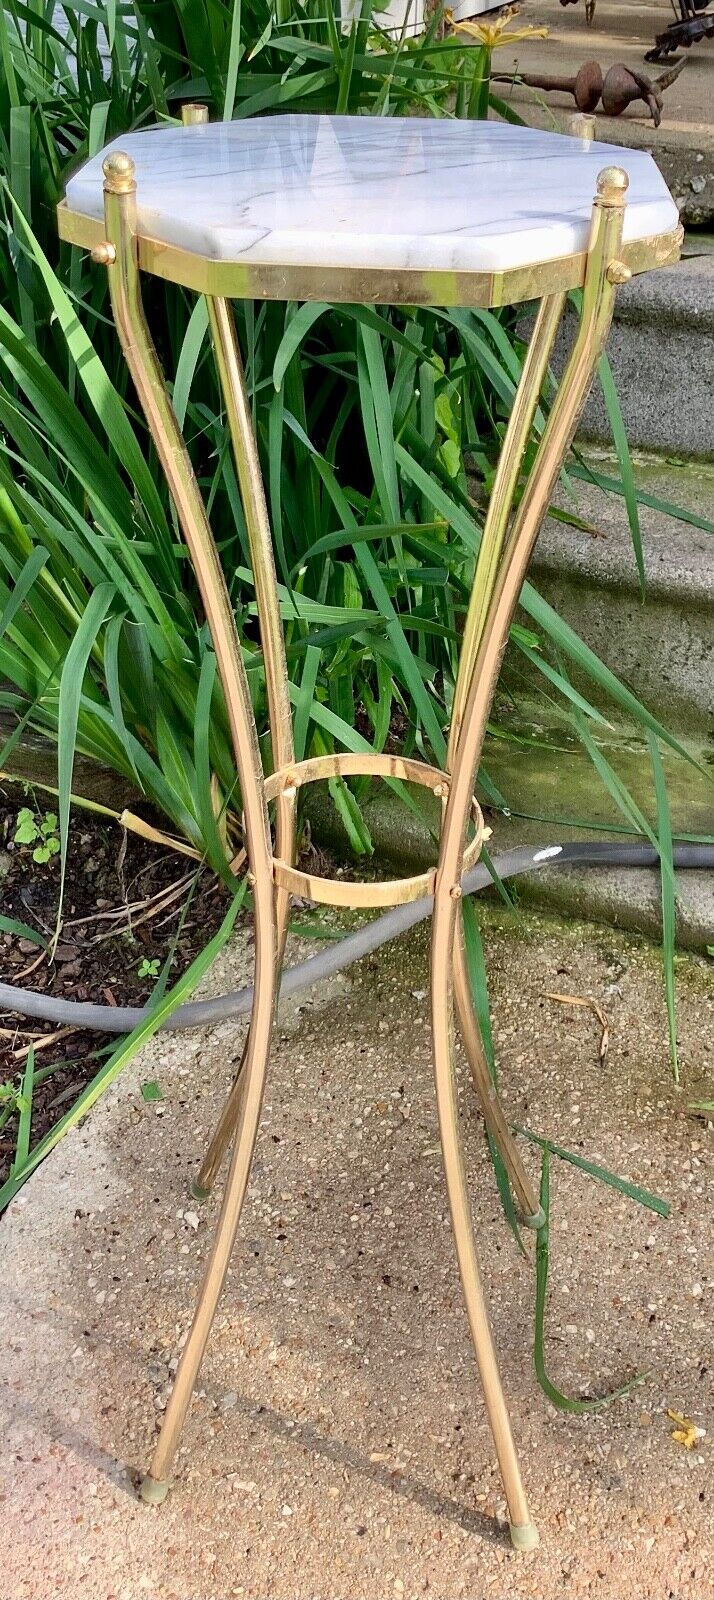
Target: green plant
column 12, row 1100
column 26, row 1160
column 16, row 1100
column 148, row 969
column 40, row 830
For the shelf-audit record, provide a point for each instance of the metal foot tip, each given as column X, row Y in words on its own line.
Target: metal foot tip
column 538, row 1220
column 152, row 1491
column 524, row 1535
column 198, row 1192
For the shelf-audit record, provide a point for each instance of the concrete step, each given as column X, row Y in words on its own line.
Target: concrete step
column 661, row 348
column 662, row 646
column 548, row 783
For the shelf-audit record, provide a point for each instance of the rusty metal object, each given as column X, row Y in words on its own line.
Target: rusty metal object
column 625, row 85
column 586, row 87
column 689, row 30
column 618, row 88
column 589, row 9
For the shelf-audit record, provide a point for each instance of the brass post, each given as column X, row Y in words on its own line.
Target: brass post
column 192, row 114
column 230, row 372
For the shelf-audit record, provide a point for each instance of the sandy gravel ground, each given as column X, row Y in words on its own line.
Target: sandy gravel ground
column 337, row 1449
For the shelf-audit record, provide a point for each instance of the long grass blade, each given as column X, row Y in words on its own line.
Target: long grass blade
column 633, row 1191
column 562, row 1401
column 479, row 988
column 629, row 487
column 21, row 930
column 669, row 910
column 70, row 693
column 24, row 1127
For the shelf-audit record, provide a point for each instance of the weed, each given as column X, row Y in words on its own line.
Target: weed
column 39, row 830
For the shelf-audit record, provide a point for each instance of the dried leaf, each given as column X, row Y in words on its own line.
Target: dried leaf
column 155, row 836
column 42, row 1041
column 590, row 1005
column 686, row 1432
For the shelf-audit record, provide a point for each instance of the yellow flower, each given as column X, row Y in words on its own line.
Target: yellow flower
column 494, row 34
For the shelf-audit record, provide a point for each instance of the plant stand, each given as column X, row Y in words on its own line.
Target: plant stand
column 394, row 212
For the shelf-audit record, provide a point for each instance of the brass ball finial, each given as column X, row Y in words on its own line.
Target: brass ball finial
column 612, row 185
column 104, row 254
column 618, row 272
column 119, row 170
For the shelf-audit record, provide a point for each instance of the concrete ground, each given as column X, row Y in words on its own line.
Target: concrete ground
column 622, row 32
column 337, row 1448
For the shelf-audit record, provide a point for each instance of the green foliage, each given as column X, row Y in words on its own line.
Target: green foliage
column 158, row 1012
column 562, row 1401
column 22, row 930
column 38, row 830
column 16, row 1102
column 101, row 639
column 148, row 969
column 12, row 1097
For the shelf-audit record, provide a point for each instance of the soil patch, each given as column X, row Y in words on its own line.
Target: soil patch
column 129, row 906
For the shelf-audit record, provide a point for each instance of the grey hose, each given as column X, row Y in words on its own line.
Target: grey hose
column 197, row 1013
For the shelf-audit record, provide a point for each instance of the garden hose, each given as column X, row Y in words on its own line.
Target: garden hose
column 238, row 1002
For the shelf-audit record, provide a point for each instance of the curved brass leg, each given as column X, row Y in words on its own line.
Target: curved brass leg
column 125, row 292
column 523, row 1531
column 505, row 483
column 228, row 1122
column 532, row 1215
column 154, row 1485
column 499, row 575
column 232, row 381
column 493, row 542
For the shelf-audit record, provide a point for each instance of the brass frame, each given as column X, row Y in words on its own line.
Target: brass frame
column 255, row 280
column 506, row 546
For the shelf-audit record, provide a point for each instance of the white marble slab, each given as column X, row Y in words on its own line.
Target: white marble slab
column 385, row 192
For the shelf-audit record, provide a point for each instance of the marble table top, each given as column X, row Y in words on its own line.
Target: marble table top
column 388, row 192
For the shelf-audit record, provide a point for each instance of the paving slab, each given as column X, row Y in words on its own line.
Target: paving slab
column 337, row 1448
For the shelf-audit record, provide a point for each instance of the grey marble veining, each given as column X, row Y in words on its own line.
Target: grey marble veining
column 388, row 192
